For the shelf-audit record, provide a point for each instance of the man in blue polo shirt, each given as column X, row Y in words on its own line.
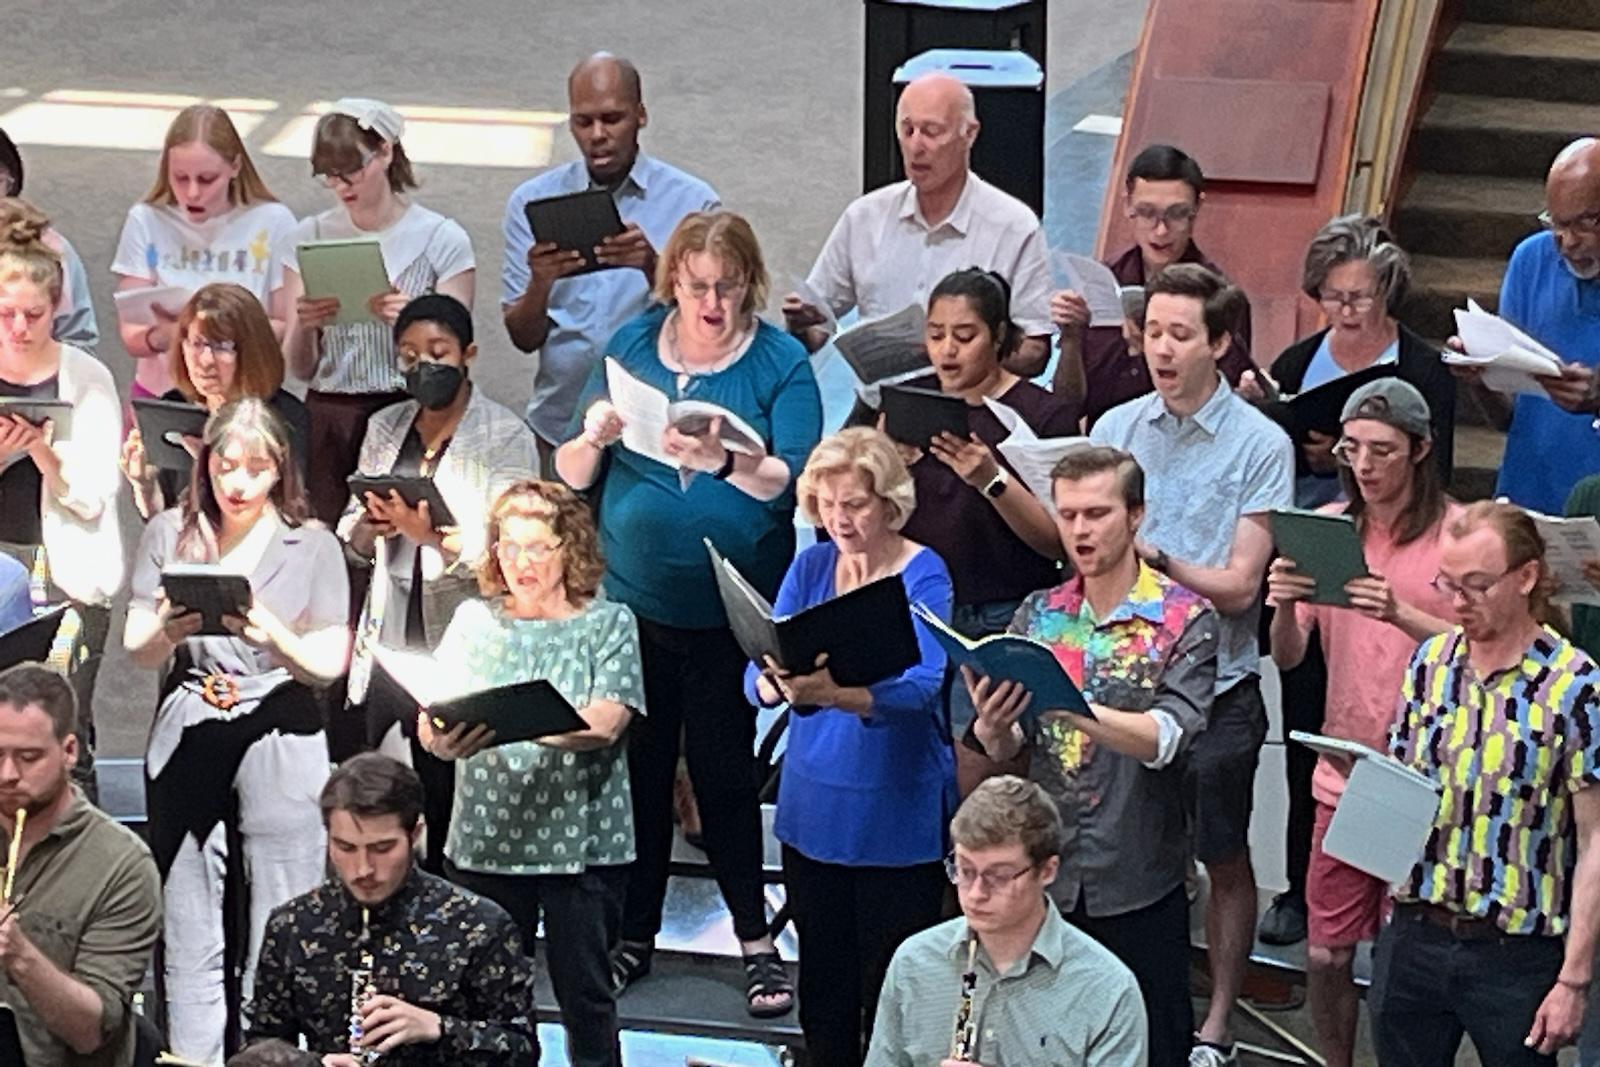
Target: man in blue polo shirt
column 1552, row 291
column 569, row 320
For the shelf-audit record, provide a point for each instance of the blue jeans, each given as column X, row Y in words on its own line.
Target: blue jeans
column 1430, row 986
column 972, row 620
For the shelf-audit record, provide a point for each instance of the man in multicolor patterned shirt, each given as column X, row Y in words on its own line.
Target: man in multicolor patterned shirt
column 1144, row 650
column 1504, row 713
column 450, row 984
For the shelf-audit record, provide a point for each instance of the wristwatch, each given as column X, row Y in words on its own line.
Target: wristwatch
column 997, row 485
column 722, row 472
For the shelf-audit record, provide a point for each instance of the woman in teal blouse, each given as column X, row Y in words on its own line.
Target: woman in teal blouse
column 703, row 343
column 547, row 826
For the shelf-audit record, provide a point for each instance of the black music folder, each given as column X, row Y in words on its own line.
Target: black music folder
column 916, row 416
column 522, row 711
column 576, row 222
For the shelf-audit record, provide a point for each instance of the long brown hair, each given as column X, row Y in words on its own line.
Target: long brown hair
column 211, row 126
column 1524, row 544
column 228, row 312
column 250, row 421
column 1422, row 511
column 569, row 518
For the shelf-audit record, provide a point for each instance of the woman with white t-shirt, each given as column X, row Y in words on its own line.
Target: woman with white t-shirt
column 209, row 218
column 351, row 368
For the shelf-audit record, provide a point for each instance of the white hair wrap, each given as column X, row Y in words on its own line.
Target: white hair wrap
column 373, row 115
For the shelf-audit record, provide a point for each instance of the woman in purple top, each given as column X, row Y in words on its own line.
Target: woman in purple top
column 868, row 781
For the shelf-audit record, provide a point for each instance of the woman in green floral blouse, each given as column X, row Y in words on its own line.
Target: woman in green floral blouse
column 548, row 825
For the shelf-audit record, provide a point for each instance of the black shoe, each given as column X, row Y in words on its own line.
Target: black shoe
column 1285, row 921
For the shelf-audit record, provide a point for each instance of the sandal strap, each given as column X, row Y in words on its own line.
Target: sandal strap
column 765, row 975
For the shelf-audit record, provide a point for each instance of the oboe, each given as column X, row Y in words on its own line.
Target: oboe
column 362, row 989
column 964, row 1043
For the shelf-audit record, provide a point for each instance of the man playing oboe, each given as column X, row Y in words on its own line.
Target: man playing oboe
column 386, row 963
column 81, row 906
column 1011, row 981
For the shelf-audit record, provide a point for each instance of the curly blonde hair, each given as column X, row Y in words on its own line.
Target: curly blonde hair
column 568, row 517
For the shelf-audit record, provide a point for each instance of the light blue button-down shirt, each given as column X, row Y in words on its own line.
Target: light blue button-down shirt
column 586, row 310
column 1202, row 475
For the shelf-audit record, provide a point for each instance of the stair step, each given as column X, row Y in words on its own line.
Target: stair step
column 1440, row 284
column 1467, row 214
column 1570, row 14
column 1533, row 62
column 1508, row 137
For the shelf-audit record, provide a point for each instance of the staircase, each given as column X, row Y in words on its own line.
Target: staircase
column 1513, row 83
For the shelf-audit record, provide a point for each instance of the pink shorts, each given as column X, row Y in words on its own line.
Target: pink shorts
column 1344, row 906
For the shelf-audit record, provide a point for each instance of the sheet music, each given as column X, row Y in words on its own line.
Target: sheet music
column 808, row 295
column 1093, row 281
column 1030, row 456
column 1510, row 358
column 1568, row 544
column 887, row 350
column 645, row 411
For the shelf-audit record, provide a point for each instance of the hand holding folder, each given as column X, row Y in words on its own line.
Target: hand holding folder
column 1011, row 658
column 521, row 711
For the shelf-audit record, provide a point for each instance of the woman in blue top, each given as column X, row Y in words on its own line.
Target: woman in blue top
column 868, row 781
column 703, row 343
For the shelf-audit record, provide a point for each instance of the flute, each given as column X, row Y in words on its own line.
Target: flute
column 964, row 1042
column 362, row 989
column 14, row 855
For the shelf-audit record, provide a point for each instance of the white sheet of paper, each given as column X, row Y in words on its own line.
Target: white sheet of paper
column 1030, row 456
column 1093, row 281
column 887, row 350
column 1510, row 358
column 1568, row 544
column 645, row 412
column 138, row 305
column 1387, row 810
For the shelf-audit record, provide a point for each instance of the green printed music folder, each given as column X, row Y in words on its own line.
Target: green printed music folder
column 1324, row 546
column 349, row 268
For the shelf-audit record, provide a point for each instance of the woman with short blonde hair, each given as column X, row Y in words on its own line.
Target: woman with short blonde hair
column 868, row 778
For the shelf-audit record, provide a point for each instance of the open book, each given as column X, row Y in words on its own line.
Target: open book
column 1092, row 280
column 1387, row 810
column 1032, row 457
column 1509, row 357
column 1011, row 658
column 523, row 711
column 647, row 412
column 1568, row 545
column 1323, row 546
column 865, row 633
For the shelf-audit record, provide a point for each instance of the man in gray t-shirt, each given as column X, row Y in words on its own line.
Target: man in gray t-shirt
column 1215, row 468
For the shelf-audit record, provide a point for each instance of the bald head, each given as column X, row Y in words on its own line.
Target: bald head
column 605, row 106
column 939, row 93
column 1572, row 202
column 609, row 74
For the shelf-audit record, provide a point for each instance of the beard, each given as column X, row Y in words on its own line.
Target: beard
column 1588, row 271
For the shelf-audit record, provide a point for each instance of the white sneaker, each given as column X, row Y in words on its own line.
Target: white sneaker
column 1205, row 1054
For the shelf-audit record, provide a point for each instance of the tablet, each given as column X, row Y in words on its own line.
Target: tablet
column 411, row 489
column 39, row 412
column 208, row 589
column 576, row 222
column 162, row 424
column 351, row 269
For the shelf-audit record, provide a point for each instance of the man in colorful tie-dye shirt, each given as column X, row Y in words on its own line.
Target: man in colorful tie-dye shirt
column 1494, row 931
column 1144, row 651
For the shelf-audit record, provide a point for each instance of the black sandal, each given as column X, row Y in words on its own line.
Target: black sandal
column 630, row 961
column 765, row 976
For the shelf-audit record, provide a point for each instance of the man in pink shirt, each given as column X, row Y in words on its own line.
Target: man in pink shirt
column 1396, row 497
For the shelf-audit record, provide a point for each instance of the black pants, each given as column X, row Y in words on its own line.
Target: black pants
column 1429, row 987
column 1153, row 942
column 694, row 686
column 849, row 921
column 1305, row 695
column 582, row 913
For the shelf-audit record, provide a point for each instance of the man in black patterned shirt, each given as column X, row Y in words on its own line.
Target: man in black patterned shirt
column 446, row 983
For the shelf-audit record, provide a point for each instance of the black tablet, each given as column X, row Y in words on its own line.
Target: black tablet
column 39, row 412
column 413, row 490
column 576, row 222
column 163, row 424
column 208, row 589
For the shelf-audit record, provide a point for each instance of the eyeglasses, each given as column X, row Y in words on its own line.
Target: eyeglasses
column 724, row 289
column 1468, row 590
column 538, row 552
column 992, row 881
column 1587, row 224
column 1176, row 216
column 216, row 349
column 1360, row 303
column 1347, row 450
column 333, row 180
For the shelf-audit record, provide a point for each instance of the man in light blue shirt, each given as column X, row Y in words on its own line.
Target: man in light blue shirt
column 1215, row 467
column 1551, row 291
column 569, row 320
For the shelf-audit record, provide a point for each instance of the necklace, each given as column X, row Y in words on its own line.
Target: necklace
column 681, row 365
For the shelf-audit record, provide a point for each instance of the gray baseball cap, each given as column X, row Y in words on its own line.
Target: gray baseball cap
column 1393, row 402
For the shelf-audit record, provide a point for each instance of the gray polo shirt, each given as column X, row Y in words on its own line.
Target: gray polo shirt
column 1203, row 474
column 1068, row 1003
column 91, row 903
